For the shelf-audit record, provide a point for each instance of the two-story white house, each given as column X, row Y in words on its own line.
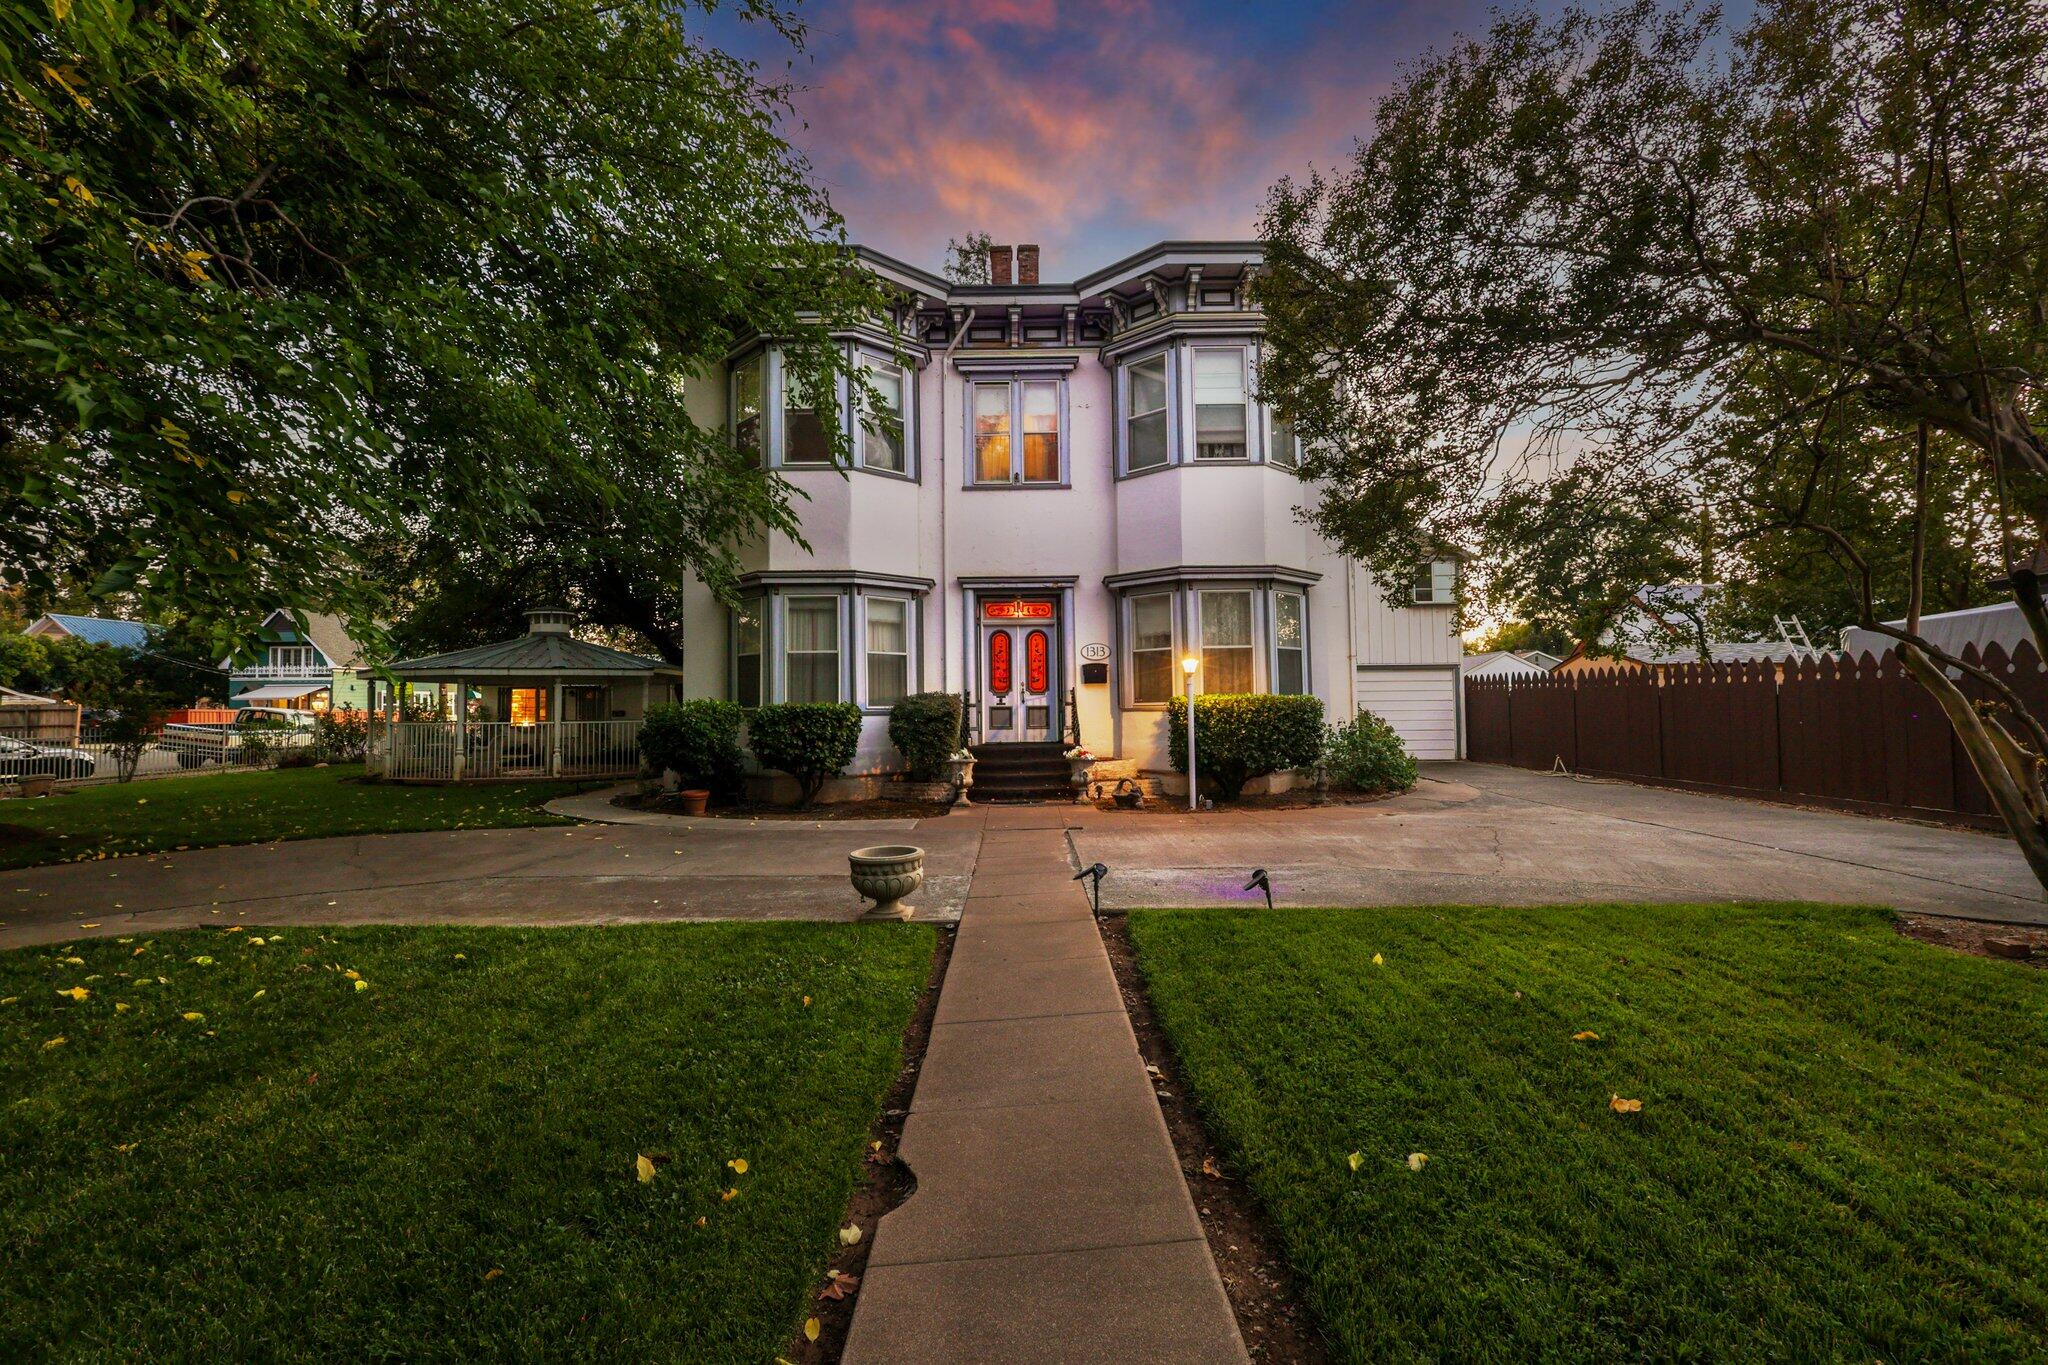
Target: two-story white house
column 1085, row 490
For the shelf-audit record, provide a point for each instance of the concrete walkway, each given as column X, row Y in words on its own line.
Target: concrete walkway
column 1051, row 1221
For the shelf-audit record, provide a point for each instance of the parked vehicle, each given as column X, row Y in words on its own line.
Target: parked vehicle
column 273, row 717
column 24, row 758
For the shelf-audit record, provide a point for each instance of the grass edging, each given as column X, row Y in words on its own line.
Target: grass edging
column 885, row 1181
column 1271, row 1314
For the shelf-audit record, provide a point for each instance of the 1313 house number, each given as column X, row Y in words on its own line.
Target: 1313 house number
column 1095, row 654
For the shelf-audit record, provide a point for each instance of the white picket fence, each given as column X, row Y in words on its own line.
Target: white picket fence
column 441, row 751
column 176, row 749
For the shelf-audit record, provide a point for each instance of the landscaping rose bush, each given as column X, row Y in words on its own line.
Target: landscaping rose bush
column 811, row 741
column 1238, row 738
column 699, row 740
column 925, row 728
column 1366, row 755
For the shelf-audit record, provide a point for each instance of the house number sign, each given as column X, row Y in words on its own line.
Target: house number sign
column 1095, row 654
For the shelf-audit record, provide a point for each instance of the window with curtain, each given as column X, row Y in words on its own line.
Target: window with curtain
column 1152, row 648
column 1290, row 644
column 1436, row 583
column 803, row 430
column 1226, row 618
column 811, row 648
column 1145, row 423
column 746, row 651
column 1219, row 404
column 746, row 404
column 992, row 433
column 1286, row 447
column 888, row 650
column 1039, row 414
column 882, row 432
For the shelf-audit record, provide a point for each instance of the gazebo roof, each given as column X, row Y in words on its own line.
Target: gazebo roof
column 546, row 649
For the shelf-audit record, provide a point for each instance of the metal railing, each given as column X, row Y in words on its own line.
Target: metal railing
column 282, row 673
column 174, row 749
column 441, row 751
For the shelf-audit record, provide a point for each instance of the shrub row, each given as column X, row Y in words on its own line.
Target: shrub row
column 1240, row 737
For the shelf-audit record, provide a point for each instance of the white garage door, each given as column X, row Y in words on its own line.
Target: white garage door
column 1420, row 703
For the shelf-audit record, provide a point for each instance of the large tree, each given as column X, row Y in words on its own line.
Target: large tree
column 1594, row 277
column 284, row 281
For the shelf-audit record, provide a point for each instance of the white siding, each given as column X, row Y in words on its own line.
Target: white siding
column 1420, row 703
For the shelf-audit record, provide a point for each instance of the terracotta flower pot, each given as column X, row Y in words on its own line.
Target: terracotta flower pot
column 695, row 800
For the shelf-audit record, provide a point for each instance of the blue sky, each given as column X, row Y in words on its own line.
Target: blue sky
column 1090, row 128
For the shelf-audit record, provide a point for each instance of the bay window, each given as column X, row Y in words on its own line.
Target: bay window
column 1226, row 630
column 810, row 664
column 746, row 653
column 1290, row 644
column 1286, row 451
column 888, row 650
column 1220, row 404
column 1016, row 431
column 776, row 416
column 803, row 430
column 881, row 433
column 1151, row 637
column 1145, row 422
column 746, row 403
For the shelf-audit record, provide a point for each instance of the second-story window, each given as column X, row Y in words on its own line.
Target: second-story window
column 746, row 403
column 1145, row 427
column 1286, row 445
column 1220, row 404
column 803, row 431
column 881, row 435
column 1017, row 431
column 1436, row 583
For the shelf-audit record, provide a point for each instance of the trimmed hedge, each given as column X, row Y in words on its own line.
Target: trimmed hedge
column 811, row 741
column 699, row 740
column 1240, row 737
column 924, row 729
column 1366, row 755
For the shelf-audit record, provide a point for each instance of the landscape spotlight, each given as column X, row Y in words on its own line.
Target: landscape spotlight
column 1095, row 873
column 1259, row 880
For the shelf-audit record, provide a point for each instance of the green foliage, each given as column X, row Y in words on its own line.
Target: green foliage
column 1784, row 1055
column 698, row 740
column 301, row 291
column 811, row 741
column 1366, row 755
column 134, row 715
column 1238, row 738
column 471, row 1121
column 1519, row 636
column 925, row 728
column 340, row 736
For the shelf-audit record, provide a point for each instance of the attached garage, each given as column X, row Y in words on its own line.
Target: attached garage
column 1420, row 702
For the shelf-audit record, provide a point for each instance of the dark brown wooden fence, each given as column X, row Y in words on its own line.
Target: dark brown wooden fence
column 1857, row 733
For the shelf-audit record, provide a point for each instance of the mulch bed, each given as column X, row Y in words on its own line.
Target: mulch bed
column 1270, row 1313
column 2011, row 941
column 885, row 809
column 1294, row 800
column 886, row 1182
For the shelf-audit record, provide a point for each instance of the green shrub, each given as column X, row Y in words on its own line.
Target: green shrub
column 1238, row 738
column 924, row 729
column 1366, row 755
column 340, row 736
column 699, row 740
column 811, row 741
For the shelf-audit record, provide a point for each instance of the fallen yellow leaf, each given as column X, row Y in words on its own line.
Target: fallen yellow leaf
column 120, row 1007
column 192, row 1016
column 58, row 1041
column 94, row 925
column 849, row 1235
column 1588, row 1036
column 354, row 975
column 493, row 1273
column 1378, row 961
column 361, row 984
column 1622, row 1106
column 643, row 1168
column 1417, row 1160
column 811, row 1328
column 729, row 1195
column 259, row 995
column 738, row 1164
column 124, row 1148
column 9, row 1000
column 76, row 992
column 1355, row 1160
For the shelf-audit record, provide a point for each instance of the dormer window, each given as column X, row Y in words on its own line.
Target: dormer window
column 1220, row 403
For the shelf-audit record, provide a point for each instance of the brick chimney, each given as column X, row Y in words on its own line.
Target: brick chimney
column 999, row 265
column 1027, row 264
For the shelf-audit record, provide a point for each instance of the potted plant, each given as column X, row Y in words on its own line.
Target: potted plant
column 699, row 742
column 1079, row 761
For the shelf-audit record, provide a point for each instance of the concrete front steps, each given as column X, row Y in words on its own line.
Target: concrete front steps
column 1021, row 772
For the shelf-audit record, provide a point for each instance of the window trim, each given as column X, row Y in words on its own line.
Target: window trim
column 839, row 641
column 1127, row 617
column 1125, row 416
column 1427, row 569
column 1257, row 625
column 1273, row 596
column 1015, row 381
column 758, row 604
column 906, row 416
column 911, row 635
column 1252, row 449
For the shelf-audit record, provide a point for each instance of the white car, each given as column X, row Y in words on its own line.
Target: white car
column 27, row 758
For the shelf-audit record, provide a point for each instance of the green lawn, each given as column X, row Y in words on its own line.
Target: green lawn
column 254, row 807
column 1842, row 1150
column 442, row 1163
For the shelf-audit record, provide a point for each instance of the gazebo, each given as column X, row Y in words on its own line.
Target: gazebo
column 544, row 704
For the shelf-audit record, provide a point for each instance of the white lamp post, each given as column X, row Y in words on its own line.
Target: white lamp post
column 1188, row 666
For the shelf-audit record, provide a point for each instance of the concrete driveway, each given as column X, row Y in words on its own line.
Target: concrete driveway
column 1473, row 833
column 1467, row 834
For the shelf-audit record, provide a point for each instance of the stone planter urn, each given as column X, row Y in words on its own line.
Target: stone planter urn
column 885, row 874
column 1079, row 763
column 962, row 766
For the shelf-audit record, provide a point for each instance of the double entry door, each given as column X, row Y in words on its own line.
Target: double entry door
column 1018, row 703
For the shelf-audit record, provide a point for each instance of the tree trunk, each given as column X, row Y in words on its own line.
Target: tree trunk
column 2007, row 795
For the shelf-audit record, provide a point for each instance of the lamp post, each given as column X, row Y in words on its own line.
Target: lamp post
column 1188, row 666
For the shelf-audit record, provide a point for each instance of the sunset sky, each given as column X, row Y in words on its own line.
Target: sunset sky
column 1091, row 128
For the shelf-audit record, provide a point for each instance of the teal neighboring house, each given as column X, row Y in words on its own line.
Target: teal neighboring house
column 309, row 670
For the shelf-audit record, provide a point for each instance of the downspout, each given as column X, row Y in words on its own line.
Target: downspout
column 945, row 516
